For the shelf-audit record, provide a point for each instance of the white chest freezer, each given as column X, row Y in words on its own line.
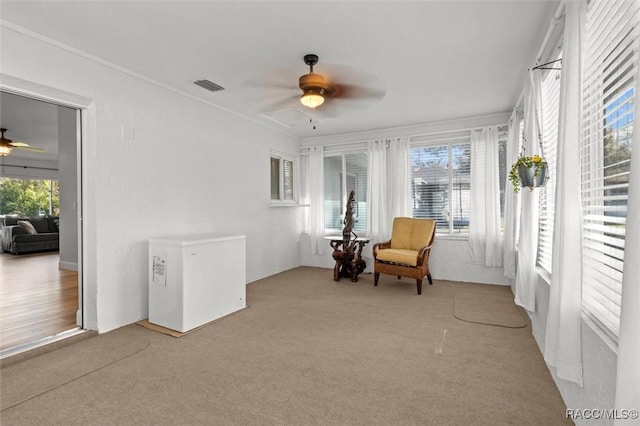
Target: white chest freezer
column 195, row 279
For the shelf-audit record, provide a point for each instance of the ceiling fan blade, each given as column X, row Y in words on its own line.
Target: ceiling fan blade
column 344, row 74
column 357, row 91
column 18, row 144
column 271, row 85
column 29, row 148
column 289, row 101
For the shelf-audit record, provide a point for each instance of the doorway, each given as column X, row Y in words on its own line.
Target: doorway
column 41, row 284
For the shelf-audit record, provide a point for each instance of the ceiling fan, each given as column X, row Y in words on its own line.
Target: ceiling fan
column 329, row 94
column 7, row 146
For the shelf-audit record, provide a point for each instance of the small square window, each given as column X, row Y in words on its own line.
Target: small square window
column 282, row 179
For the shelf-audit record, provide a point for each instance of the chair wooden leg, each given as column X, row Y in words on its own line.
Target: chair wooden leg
column 376, row 275
column 419, row 285
column 429, row 278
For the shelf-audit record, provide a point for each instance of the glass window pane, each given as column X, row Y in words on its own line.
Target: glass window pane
column 461, row 186
column 275, row 178
column 333, row 205
column 287, row 179
column 357, row 166
column 29, row 197
column 343, row 174
column 430, row 184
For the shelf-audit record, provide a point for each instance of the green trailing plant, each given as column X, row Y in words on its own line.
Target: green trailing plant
column 532, row 161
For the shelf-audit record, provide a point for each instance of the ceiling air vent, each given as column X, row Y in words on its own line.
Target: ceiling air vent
column 209, row 85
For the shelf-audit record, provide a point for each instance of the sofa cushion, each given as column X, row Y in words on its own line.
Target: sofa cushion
column 12, row 220
column 411, row 234
column 54, row 223
column 401, row 256
column 30, row 238
column 41, row 224
column 27, row 227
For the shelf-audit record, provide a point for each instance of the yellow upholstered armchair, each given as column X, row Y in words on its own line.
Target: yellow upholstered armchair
column 407, row 253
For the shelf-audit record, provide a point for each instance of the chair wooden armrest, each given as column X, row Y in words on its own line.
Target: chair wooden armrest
column 380, row 246
column 423, row 254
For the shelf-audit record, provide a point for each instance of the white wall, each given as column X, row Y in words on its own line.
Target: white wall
column 448, row 255
column 68, row 172
column 155, row 163
column 598, row 359
column 446, row 261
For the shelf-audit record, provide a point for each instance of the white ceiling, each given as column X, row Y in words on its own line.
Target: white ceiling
column 434, row 60
column 32, row 122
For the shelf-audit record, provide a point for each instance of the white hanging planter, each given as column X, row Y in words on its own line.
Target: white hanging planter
column 529, row 172
column 533, row 176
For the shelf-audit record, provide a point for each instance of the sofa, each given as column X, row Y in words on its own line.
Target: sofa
column 17, row 239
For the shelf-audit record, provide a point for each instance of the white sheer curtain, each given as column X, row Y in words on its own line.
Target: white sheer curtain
column 377, row 216
column 399, row 178
column 302, row 182
column 628, row 374
column 527, row 277
column 563, row 348
column 316, row 199
column 485, row 239
column 511, row 201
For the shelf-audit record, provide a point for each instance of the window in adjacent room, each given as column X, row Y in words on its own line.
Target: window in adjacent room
column 29, row 197
column 282, row 179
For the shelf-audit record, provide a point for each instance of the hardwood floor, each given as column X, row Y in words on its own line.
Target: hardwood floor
column 36, row 298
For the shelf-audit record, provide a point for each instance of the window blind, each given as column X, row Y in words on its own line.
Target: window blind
column 549, row 120
column 441, row 179
column 344, row 173
column 611, row 60
column 287, row 180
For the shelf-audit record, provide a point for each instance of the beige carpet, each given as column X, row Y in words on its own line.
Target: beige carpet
column 489, row 306
column 308, row 351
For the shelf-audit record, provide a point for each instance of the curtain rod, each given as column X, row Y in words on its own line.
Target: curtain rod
column 544, row 66
column 554, row 21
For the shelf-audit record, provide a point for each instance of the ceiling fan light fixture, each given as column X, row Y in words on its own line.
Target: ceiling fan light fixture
column 5, row 145
column 5, row 150
column 312, row 98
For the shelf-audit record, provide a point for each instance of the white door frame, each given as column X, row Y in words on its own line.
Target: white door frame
column 86, row 316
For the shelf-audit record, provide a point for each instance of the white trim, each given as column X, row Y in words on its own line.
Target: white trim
column 86, row 135
column 133, row 74
column 72, row 266
column 543, row 274
column 39, row 343
column 598, row 331
column 443, row 126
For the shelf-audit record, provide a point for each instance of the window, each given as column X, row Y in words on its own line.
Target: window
column 441, row 180
column 549, row 121
column 344, row 173
column 611, row 57
column 502, row 172
column 29, row 197
column 282, row 179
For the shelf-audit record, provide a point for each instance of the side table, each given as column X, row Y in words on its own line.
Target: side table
column 348, row 256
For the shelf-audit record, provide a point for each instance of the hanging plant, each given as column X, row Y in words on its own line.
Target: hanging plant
column 530, row 172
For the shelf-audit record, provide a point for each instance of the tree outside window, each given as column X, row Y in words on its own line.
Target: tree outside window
column 29, row 197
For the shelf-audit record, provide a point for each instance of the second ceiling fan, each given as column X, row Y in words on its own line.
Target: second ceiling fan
column 7, row 145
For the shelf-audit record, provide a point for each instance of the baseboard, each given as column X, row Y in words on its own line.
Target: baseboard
column 72, row 266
